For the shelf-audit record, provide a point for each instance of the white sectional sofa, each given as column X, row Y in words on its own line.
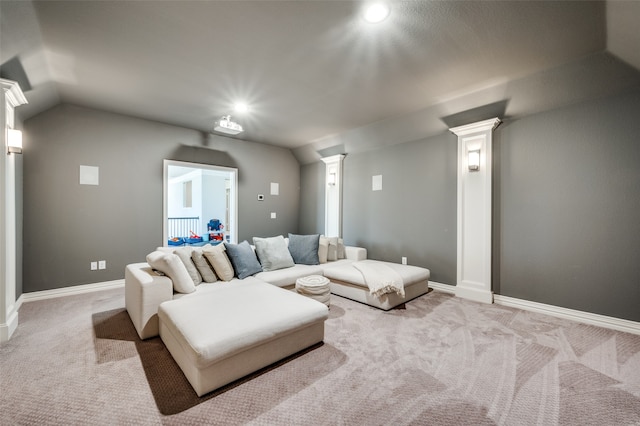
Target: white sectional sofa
column 146, row 289
column 270, row 322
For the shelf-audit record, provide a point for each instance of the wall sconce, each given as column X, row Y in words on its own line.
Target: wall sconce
column 14, row 141
column 331, row 180
column 474, row 160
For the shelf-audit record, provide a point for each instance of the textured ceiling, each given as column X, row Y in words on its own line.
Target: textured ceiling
column 314, row 73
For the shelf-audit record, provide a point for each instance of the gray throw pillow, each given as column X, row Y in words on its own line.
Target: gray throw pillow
column 304, row 248
column 244, row 260
column 273, row 253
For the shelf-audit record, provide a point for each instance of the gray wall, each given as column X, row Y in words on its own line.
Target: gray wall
column 312, row 198
column 567, row 207
column 566, row 201
column 67, row 225
column 415, row 213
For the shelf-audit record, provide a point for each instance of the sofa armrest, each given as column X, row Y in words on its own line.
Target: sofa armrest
column 144, row 292
column 355, row 253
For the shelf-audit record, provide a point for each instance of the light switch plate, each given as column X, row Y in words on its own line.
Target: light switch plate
column 102, row 264
column 376, row 183
column 273, row 215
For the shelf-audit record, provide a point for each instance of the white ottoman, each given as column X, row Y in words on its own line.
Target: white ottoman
column 316, row 287
column 238, row 328
column 347, row 281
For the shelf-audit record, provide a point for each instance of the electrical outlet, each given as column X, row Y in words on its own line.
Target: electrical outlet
column 273, row 215
column 102, row 264
column 94, row 266
column 404, row 260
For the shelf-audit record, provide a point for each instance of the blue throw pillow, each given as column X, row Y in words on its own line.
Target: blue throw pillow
column 244, row 260
column 304, row 249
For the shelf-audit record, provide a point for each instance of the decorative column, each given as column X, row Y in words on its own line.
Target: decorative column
column 333, row 195
column 12, row 97
column 474, row 210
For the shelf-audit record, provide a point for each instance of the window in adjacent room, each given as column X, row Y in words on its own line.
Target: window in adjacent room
column 187, row 194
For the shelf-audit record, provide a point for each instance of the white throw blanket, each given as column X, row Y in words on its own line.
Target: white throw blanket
column 380, row 278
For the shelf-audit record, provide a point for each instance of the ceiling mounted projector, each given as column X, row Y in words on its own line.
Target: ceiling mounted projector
column 225, row 125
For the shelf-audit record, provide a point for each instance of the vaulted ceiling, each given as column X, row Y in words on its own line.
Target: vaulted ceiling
column 317, row 77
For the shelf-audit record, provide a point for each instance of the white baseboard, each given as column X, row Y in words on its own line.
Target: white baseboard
column 604, row 321
column 68, row 291
column 571, row 314
column 445, row 288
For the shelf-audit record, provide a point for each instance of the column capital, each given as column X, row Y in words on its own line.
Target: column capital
column 479, row 126
column 333, row 158
column 12, row 92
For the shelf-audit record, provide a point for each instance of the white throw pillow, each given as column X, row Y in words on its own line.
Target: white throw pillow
column 203, row 265
column 273, row 253
column 184, row 253
column 341, row 250
column 171, row 265
column 332, row 254
column 323, row 249
column 221, row 264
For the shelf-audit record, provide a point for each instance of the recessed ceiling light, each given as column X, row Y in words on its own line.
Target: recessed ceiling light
column 241, row 107
column 376, row 12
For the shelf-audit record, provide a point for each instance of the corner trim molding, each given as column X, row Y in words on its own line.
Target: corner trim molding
column 598, row 320
column 68, row 291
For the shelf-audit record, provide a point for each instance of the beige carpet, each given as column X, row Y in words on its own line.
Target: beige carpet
column 436, row 361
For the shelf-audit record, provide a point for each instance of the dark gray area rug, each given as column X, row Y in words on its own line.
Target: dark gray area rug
column 437, row 360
